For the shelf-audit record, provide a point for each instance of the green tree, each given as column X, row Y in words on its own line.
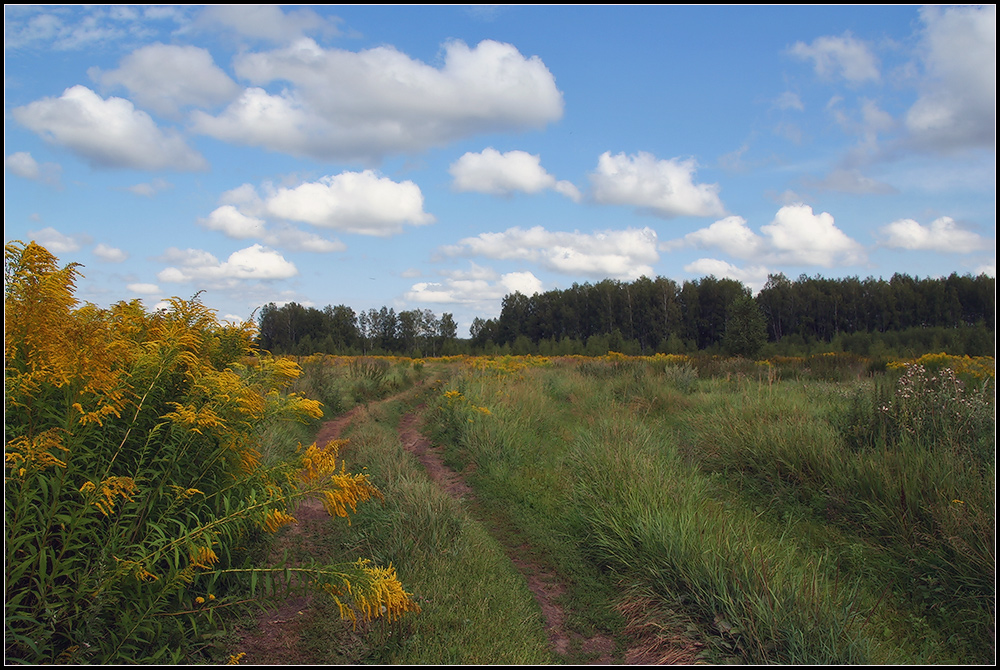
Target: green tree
column 745, row 332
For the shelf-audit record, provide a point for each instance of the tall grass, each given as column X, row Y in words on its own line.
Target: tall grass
column 657, row 520
column 748, row 502
column 898, row 469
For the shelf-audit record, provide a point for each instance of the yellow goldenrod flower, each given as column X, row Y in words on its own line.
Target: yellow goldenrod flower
column 203, row 557
column 25, row 454
column 276, row 519
column 112, row 491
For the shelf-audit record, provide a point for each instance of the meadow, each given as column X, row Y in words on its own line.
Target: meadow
column 809, row 510
column 159, row 470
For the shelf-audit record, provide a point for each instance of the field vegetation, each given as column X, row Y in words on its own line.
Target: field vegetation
column 823, row 508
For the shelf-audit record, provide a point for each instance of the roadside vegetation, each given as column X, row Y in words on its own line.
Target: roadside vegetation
column 139, row 492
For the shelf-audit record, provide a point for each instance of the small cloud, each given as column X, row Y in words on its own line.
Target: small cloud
column 478, row 286
column 109, row 254
column 293, row 239
column 56, row 242
column 852, row 181
column 232, row 223
column 625, row 254
column 754, row 277
column 789, row 100
column 941, row 235
column 356, row 202
column 144, row 289
column 22, row 164
column 845, row 56
column 252, row 263
column 796, row 236
column 149, row 189
column 665, row 188
column 503, row 174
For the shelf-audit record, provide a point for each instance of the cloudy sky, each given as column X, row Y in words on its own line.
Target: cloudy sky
column 441, row 157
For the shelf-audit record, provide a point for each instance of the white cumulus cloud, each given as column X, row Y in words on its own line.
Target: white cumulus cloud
column 229, row 221
column 731, row 235
column 498, row 173
column 623, row 254
column 662, row 187
column 957, row 104
column 57, row 242
column 356, row 202
column 109, row 254
column 23, row 165
column 255, row 263
column 479, row 286
column 165, row 78
column 107, row 133
column 338, row 104
column 144, row 289
column 796, row 235
column 941, row 235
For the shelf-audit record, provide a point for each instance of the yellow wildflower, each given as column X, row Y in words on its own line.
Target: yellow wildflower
column 276, row 519
column 113, row 490
column 203, row 557
column 25, row 454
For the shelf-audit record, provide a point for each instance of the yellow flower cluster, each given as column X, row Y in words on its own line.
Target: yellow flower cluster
column 979, row 367
column 276, row 519
column 338, row 489
column 136, row 569
column 24, row 455
column 113, row 490
column 381, row 596
column 456, row 399
column 505, row 365
column 385, row 595
column 203, row 557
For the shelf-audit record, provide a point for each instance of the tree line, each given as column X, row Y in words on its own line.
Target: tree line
column 294, row 329
column 901, row 315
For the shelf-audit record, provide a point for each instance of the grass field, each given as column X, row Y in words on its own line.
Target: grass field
column 775, row 512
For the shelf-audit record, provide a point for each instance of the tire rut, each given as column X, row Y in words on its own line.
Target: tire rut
column 543, row 583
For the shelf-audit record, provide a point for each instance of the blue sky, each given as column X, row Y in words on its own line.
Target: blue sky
column 442, row 157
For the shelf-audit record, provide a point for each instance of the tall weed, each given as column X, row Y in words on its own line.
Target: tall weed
column 135, row 489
